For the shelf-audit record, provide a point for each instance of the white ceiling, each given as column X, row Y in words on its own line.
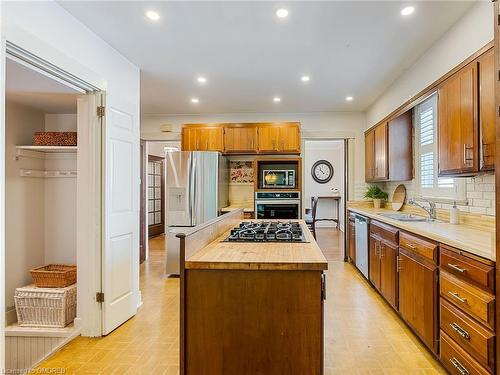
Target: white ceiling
column 249, row 55
column 33, row 89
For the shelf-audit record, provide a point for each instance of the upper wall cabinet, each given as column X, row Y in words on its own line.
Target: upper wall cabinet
column 240, row 139
column 457, row 123
column 388, row 150
column 249, row 138
column 202, row 138
column 281, row 138
column 466, row 127
column 486, row 67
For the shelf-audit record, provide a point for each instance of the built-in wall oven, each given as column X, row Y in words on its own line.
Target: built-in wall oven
column 277, row 205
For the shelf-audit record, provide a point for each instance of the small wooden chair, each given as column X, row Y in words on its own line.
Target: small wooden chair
column 310, row 216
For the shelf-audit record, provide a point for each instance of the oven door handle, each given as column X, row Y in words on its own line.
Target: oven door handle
column 278, row 201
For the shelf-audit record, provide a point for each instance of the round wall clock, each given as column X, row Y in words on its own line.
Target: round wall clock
column 322, row 171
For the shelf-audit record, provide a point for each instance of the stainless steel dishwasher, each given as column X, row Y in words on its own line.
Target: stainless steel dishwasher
column 362, row 244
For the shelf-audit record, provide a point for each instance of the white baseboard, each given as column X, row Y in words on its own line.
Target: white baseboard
column 139, row 300
column 78, row 323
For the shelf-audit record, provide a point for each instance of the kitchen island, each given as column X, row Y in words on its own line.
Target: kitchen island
column 250, row 308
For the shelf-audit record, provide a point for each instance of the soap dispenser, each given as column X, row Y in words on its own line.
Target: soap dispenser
column 454, row 214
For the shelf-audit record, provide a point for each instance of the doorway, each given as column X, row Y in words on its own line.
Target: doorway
column 325, row 178
column 156, row 195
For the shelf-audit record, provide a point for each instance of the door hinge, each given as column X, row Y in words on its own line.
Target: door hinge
column 323, row 287
column 101, row 111
column 99, row 297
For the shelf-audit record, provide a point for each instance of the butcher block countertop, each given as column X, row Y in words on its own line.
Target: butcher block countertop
column 260, row 255
column 473, row 240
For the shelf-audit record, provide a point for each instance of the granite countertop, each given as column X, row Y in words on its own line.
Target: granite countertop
column 480, row 242
column 260, row 255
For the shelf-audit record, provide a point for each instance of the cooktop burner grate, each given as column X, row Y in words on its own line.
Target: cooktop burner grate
column 267, row 231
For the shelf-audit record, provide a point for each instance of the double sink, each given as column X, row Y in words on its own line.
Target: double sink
column 409, row 218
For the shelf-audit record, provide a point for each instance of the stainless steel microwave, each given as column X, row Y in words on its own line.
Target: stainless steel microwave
column 282, row 178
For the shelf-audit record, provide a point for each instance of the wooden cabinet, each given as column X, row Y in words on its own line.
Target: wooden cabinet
column 247, row 138
column 486, row 68
column 351, row 240
column 382, row 260
column 202, row 138
column 240, row 139
column 418, row 295
column 388, row 150
column 457, row 123
column 283, row 138
column 467, row 292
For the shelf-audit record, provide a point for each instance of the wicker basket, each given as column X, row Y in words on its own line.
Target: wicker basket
column 42, row 307
column 54, row 276
column 55, row 139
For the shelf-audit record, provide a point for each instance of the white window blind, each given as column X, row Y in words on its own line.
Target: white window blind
column 429, row 185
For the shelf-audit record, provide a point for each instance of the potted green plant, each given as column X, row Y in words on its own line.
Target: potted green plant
column 376, row 194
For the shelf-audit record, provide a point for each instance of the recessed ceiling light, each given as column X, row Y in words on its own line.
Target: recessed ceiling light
column 305, row 78
column 152, row 15
column 195, row 100
column 349, row 98
column 201, row 79
column 282, row 13
column 276, row 99
column 406, row 11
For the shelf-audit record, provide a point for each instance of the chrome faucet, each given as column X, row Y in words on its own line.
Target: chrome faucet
column 431, row 210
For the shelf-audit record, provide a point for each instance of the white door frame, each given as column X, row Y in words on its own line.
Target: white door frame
column 89, row 219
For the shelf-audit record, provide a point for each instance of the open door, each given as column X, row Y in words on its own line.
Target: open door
column 121, row 182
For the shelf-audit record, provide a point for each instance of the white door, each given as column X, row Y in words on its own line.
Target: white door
column 120, row 254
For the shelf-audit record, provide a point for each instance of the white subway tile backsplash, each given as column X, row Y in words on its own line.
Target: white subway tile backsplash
column 480, row 194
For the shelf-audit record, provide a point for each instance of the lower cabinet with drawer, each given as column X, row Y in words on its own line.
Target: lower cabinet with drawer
column 467, row 313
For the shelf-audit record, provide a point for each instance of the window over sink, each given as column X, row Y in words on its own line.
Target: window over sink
column 429, row 185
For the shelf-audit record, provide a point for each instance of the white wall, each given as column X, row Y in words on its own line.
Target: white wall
column 60, row 199
column 314, row 125
column 462, row 40
column 25, row 201
column 48, row 31
column 333, row 151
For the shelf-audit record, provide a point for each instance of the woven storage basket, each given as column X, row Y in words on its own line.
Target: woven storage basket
column 54, row 276
column 45, row 307
column 55, row 139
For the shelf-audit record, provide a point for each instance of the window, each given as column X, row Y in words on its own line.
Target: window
column 429, row 185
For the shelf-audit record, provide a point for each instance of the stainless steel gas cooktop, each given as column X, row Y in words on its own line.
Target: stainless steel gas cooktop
column 267, row 231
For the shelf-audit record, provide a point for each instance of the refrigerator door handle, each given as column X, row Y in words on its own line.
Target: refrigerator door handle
column 192, row 189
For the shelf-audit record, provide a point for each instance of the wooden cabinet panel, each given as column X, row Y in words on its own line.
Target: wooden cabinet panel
column 478, row 273
column 457, row 123
column 418, row 302
column 279, row 138
column 381, row 152
column 472, row 300
column 374, row 261
column 470, row 335
column 351, row 241
column 240, row 138
column 384, row 231
column 200, row 138
column 289, row 139
column 486, row 67
column 456, row 360
column 370, row 156
column 388, row 273
column 269, row 138
column 421, row 246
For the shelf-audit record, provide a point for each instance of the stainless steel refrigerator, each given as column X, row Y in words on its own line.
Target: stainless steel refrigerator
column 197, row 187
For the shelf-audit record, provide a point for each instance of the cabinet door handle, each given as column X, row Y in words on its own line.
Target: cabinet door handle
column 457, row 296
column 381, row 251
column 412, row 247
column 456, row 268
column 377, row 252
column 462, row 332
column 466, row 159
column 398, row 264
column 461, row 369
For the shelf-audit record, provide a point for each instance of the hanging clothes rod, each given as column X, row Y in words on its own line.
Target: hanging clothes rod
column 47, row 174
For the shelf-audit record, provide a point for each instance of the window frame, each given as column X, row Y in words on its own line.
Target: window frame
column 436, row 193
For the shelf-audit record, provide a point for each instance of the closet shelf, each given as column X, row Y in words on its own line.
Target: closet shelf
column 47, row 174
column 49, row 149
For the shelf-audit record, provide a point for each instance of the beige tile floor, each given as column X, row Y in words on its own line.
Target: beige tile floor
column 363, row 335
